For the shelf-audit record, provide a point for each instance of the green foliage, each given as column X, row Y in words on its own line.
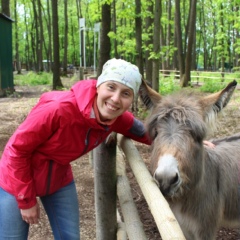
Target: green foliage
column 212, row 86
column 217, row 28
column 167, row 85
column 33, row 79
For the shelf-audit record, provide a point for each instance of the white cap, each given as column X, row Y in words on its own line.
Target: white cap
column 123, row 72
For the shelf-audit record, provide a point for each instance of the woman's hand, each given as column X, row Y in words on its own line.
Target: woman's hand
column 31, row 215
column 208, row 144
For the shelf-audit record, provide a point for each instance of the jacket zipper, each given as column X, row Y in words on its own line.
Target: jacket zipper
column 49, row 176
column 86, row 141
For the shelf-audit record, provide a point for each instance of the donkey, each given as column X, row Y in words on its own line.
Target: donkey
column 201, row 184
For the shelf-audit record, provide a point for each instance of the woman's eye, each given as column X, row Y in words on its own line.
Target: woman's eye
column 127, row 94
column 111, row 87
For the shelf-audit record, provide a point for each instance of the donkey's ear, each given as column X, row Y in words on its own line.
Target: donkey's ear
column 217, row 101
column 149, row 96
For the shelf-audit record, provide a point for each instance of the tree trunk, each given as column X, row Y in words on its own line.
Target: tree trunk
column 138, row 29
column 49, row 27
column 65, row 39
column 149, row 41
column 56, row 65
column 156, row 45
column 41, row 37
column 222, row 42
column 179, row 38
column 6, row 7
column 192, row 26
column 114, row 24
column 237, row 36
column 36, row 30
column 162, row 42
column 105, row 44
column 169, row 34
column 27, row 43
column 16, row 39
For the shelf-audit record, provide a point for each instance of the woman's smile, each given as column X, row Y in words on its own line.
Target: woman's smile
column 111, row 107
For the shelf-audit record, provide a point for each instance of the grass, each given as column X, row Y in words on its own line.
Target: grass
column 208, row 81
column 33, row 79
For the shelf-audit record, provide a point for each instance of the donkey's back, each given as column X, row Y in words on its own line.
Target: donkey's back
column 214, row 202
column 224, row 159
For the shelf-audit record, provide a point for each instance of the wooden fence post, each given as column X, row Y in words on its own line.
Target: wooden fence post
column 105, row 191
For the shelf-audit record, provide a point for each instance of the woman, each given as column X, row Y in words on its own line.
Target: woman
column 62, row 127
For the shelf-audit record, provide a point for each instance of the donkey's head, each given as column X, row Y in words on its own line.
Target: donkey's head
column 177, row 126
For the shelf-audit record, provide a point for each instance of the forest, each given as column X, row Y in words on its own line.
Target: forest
column 156, row 35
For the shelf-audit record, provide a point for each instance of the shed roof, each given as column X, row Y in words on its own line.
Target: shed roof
column 2, row 15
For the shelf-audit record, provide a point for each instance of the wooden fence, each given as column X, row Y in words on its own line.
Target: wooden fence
column 199, row 76
column 108, row 182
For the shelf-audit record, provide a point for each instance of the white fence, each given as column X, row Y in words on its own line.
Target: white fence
column 199, row 76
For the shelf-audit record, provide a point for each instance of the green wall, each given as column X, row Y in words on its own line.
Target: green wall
column 6, row 62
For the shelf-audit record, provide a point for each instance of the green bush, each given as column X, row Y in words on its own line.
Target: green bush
column 33, row 79
column 212, row 86
column 167, row 85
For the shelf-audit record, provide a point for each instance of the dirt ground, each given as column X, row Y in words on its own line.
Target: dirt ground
column 13, row 110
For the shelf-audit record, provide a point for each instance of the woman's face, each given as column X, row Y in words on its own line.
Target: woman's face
column 113, row 99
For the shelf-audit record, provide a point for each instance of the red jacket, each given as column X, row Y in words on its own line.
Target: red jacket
column 58, row 130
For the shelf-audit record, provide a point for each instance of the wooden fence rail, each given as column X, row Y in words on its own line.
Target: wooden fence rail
column 201, row 75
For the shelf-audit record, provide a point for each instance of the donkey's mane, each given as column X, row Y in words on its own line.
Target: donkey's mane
column 182, row 107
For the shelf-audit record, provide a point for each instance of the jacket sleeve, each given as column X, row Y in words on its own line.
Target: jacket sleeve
column 131, row 127
column 39, row 125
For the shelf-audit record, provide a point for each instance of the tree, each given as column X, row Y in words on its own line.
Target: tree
column 185, row 81
column 18, row 65
column 185, row 54
column 105, row 44
column 27, row 41
column 49, row 29
column 5, row 4
column 65, row 38
column 138, row 28
column 36, row 37
column 114, row 24
column 149, row 41
column 56, row 65
column 41, row 39
column 156, row 45
column 179, row 40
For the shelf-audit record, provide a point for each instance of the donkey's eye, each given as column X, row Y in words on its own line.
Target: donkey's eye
column 155, row 134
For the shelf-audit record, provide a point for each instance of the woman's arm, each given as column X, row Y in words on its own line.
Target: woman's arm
column 131, row 127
